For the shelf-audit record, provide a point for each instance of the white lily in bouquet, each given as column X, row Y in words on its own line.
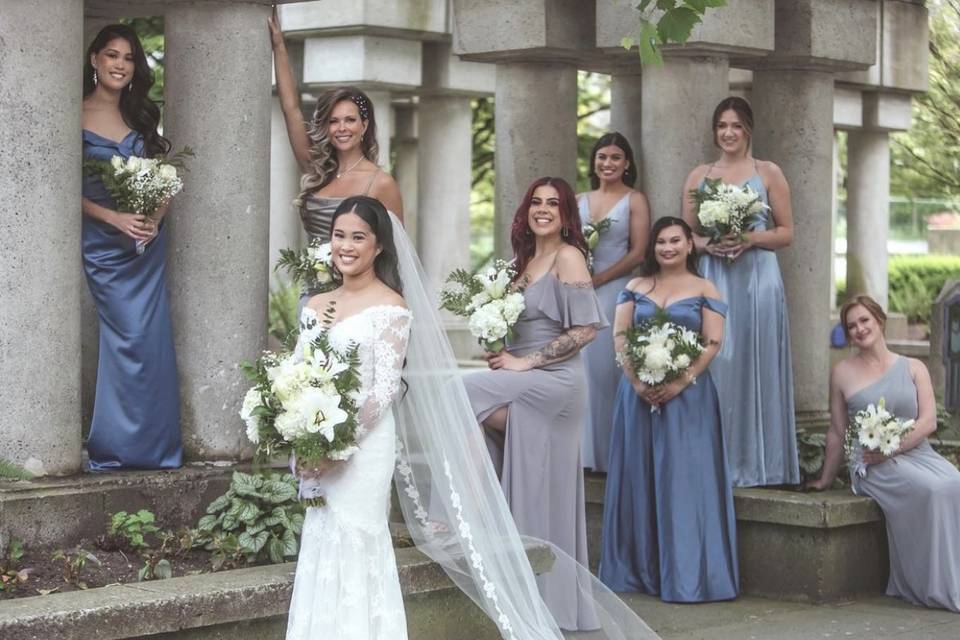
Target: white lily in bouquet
column 312, row 266
column 491, row 306
column 304, row 403
column 141, row 185
column 877, row 429
column 659, row 351
column 591, row 233
column 726, row 209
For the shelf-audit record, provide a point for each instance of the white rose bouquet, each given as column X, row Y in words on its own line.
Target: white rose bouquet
column 304, row 402
column 487, row 301
column 591, row 233
column 874, row 428
column 659, row 351
column 312, row 266
column 141, row 185
column 726, row 209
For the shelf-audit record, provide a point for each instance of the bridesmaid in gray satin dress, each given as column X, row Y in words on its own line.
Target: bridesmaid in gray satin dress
column 753, row 371
column 618, row 252
column 337, row 151
column 533, row 400
column 918, row 490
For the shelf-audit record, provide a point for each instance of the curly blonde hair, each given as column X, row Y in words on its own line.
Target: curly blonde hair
column 323, row 155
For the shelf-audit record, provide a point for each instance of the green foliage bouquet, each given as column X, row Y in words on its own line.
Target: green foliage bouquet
column 487, row 300
column 658, row 350
column 726, row 209
column 312, row 266
column 591, row 233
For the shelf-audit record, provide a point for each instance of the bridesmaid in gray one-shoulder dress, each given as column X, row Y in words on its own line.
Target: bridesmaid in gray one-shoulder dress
column 533, row 401
column 618, row 252
column 918, row 490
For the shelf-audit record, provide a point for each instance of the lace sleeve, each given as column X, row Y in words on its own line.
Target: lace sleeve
column 391, row 332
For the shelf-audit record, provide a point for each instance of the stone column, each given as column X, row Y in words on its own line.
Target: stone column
column 445, row 150
column 536, row 119
column 834, row 204
column 41, row 277
column 405, row 151
column 220, row 223
column 793, row 112
column 868, row 212
column 285, row 227
column 626, row 116
column 384, row 114
column 678, row 101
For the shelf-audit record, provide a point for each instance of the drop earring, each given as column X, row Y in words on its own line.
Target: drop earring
column 94, row 77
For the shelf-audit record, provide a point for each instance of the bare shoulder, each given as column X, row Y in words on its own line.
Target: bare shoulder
column 769, row 171
column 319, row 302
column 708, row 289
column 389, row 297
column 917, row 368
column 640, row 284
column 384, row 183
column 638, row 200
column 569, row 255
column 696, row 174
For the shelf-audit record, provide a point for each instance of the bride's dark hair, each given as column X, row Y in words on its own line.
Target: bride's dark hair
column 375, row 215
column 139, row 112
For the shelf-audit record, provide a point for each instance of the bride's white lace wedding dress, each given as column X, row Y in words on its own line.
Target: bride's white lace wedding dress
column 346, row 585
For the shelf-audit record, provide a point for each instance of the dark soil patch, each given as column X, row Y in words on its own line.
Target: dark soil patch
column 46, row 575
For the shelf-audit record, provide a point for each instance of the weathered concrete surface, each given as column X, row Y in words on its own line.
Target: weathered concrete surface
column 626, row 116
column 220, row 223
column 422, row 17
column 868, row 213
column 220, row 604
column 62, row 511
column 901, row 49
column 41, row 278
column 333, row 60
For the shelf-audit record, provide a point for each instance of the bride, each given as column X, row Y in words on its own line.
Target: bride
column 417, row 425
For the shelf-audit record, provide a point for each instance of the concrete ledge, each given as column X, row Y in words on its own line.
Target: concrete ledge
column 244, row 603
column 822, row 510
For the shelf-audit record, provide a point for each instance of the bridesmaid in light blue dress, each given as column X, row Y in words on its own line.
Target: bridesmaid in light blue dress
column 753, row 371
column 618, row 252
column 668, row 520
column 136, row 415
column 917, row 489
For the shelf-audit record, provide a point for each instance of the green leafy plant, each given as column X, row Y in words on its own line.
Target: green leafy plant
column 258, row 519
column 664, row 22
column 282, row 321
column 12, row 576
column 74, row 561
column 133, row 527
column 811, row 450
column 11, row 471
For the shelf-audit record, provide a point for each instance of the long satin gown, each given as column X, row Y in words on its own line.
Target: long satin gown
column 136, row 413
column 603, row 375
column 538, row 460
column 669, row 527
column 753, row 371
column 919, row 492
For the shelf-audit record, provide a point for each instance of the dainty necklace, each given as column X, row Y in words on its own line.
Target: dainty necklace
column 350, row 168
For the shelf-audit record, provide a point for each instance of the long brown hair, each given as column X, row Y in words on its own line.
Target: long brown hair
column 522, row 238
column 323, row 155
column 739, row 106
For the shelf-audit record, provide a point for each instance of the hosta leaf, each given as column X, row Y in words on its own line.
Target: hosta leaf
column 219, row 504
column 256, row 527
column 290, row 546
column 275, row 550
column 277, row 491
column 245, row 484
column 252, row 544
column 248, row 513
column 207, row 523
column 296, row 522
column 676, row 24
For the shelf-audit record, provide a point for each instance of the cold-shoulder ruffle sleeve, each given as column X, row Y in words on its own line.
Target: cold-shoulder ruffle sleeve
column 572, row 305
column 626, row 296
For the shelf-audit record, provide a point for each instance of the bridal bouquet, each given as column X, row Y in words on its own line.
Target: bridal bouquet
column 659, row 351
column 486, row 300
column 874, row 428
column 591, row 233
column 726, row 209
column 141, row 185
column 304, row 402
column 312, row 266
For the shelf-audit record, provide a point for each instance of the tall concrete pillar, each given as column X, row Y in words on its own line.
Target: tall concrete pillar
column 678, row 101
column 285, row 227
column 41, row 276
column 834, row 204
column 220, row 223
column 445, row 170
column 536, row 121
column 868, row 212
column 793, row 113
column 406, row 171
column 626, row 115
column 384, row 113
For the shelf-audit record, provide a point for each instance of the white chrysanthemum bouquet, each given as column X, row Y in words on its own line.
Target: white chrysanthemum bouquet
column 304, row 402
column 312, row 266
column 141, row 185
column 487, row 301
column 877, row 429
column 658, row 350
column 591, row 233
column 726, row 209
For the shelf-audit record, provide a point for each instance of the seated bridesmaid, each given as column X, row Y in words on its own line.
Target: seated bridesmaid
column 918, row 490
column 668, row 520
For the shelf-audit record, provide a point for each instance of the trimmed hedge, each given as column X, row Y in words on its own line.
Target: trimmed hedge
column 915, row 282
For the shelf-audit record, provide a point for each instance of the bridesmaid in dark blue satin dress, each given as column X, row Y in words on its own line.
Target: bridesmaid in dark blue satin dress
column 136, row 415
column 668, row 521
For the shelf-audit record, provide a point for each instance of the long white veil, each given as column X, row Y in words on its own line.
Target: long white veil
column 452, row 501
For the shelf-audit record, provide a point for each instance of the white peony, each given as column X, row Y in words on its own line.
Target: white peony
column 250, row 402
column 712, row 213
column 658, row 357
column 117, row 163
column 487, row 323
column 513, row 306
column 168, row 172
column 134, row 163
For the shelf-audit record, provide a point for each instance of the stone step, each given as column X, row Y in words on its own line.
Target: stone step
column 240, row 604
column 805, row 547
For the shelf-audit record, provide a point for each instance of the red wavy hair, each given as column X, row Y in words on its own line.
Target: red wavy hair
column 522, row 238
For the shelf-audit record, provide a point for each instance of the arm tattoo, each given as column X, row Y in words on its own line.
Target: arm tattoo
column 562, row 347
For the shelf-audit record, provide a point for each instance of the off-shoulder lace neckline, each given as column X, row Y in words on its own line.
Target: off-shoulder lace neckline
column 402, row 310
